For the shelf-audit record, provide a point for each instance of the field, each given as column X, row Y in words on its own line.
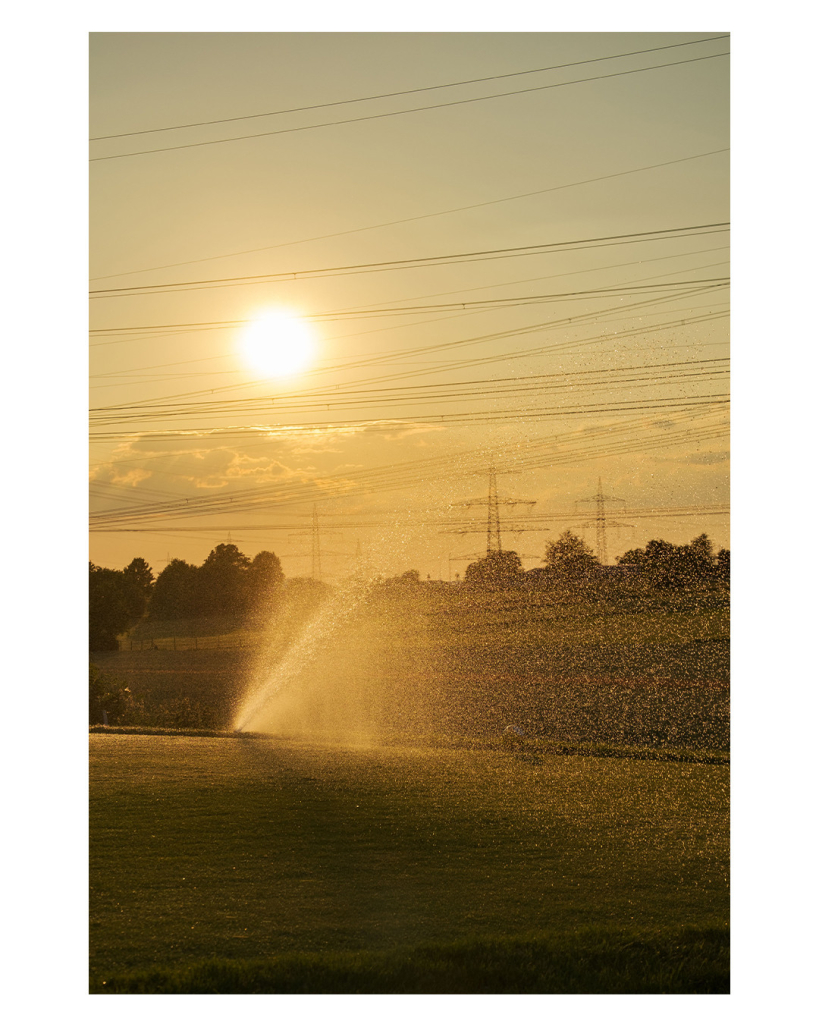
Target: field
column 623, row 671
column 385, row 836
column 264, row 865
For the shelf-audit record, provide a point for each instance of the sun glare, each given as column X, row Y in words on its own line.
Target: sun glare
column 278, row 344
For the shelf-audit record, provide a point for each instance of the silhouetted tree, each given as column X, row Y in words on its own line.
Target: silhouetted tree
column 112, row 697
column 139, row 582
column 264, row 580
column 674, row 566
column 408, row 579
column 723, row 567
column 108, row 611
column 176, row 591
column 496, row 571
column 570, row 556
column 227, row 583
column 222, row 581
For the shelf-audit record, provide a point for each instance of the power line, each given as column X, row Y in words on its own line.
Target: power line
column 409, row 220
column 601, row 522
column 476, row 305
column 659, row 234
column 411, row 110
column 512, row 526
column 493, row 503
column 444, row 419
column 342, row 396
column 506, row 356
column 522, row 454
column 397, row 477
column 405, row 92
column 143, row 370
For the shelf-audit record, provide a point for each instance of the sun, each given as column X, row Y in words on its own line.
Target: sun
column 278, row 344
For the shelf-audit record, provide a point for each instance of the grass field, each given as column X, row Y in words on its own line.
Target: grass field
column 228, row 865
column 620, row 673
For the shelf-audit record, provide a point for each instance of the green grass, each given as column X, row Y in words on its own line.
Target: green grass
column 590, row 961
column 494, row 620
column 524, row 749
column 615, row 674
column 289, row 866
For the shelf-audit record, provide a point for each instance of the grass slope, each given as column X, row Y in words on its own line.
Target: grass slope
column 461, row 663
column 686, row 961
column 274, row 864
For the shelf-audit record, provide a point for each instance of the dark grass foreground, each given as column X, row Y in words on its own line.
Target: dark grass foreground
column 526, row 749
column 691, row 960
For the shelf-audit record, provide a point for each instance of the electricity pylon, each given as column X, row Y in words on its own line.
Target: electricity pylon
column 315, row 533
column 600, row 520
column 493, row 503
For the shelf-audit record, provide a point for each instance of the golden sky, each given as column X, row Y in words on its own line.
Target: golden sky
column 508, row 248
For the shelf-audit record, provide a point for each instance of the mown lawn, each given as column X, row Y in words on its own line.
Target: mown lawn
column 264, row 865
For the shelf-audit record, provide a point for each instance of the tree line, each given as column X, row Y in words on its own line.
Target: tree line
column 659, row 564
column 227, row 583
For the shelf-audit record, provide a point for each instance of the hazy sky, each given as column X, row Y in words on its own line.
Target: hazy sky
column 599, row 353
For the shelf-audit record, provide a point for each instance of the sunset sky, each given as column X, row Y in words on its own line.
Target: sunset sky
column 504, row 249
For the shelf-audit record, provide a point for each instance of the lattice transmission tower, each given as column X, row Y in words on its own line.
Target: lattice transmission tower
column 493, row 503
column 600, row 521
column 315, row 534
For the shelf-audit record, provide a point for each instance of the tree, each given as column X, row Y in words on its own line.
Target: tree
column 674, row 566
column 226, row 583
column 110, row 699
column 723, row 566
column 108, row 611
column 494, row 572
column 264, row 580
column 570, row 556
column 176, row 591
column 410, row 578
column 222, row 581
column 139, row 582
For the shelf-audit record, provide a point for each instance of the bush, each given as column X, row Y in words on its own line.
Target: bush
column 109, row 698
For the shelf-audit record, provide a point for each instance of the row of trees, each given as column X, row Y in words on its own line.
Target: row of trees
column 680, row 565
column 568, row 558
column 116, row 598
column 228, row 583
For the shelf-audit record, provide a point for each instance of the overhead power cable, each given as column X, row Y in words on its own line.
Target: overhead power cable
column 143, row 371
column 445, row 419
column 345, row 397
column 659, row 234
column 393, row 402
column 542, row 454
column 406, row 92
column 517, row 453
column 478, row 305
column 373, row 523
column 549, row 325
column 422, row 216
column 411, row 110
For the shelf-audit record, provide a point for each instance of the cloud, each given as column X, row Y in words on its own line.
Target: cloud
column 110, row 473
column 187, row 467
